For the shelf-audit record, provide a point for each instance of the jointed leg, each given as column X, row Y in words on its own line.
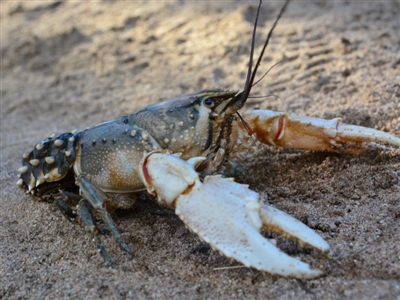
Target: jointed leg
column 83, row 210
column 97, row 199
column 65, row 202
column 91, row 227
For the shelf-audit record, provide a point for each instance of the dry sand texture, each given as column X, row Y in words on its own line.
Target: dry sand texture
column 67, row 65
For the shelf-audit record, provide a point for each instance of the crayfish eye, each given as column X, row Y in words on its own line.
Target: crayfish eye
column 209, row 102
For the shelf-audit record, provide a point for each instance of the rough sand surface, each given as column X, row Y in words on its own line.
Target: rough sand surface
column 67, row 65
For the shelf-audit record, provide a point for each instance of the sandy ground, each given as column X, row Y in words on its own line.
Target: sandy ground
column 67, row 65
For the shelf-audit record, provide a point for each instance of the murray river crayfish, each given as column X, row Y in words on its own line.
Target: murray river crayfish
column 174, row 149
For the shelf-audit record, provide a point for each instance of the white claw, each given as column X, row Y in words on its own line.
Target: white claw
column 20, row 182
column 228, row 215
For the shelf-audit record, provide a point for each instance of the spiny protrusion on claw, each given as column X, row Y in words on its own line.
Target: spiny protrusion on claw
column 22, row 169
column 58, row 143
column 50, row 159
column 20, row 182
column 53, row 175
column 34, row 162
column 39, row 146
column 32, row 182
column 195, row 161
column 25, row 155
column 40, row 180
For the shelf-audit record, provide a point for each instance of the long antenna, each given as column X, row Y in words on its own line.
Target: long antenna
column 252, row 47
column 252, row 73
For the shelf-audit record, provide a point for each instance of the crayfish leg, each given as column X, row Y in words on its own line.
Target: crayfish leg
column 64, row 203
column 89, row 223
column 97, row 199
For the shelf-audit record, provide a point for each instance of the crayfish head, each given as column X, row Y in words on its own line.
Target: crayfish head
column 190, row 124
column 217, row 103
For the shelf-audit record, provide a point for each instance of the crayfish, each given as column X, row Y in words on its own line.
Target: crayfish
column 173, row 150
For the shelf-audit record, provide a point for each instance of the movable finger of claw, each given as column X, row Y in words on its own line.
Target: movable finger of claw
column 277, row 221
